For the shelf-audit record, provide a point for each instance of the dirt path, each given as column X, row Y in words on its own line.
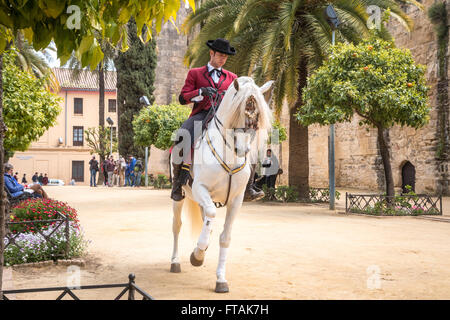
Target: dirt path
column 277, row 252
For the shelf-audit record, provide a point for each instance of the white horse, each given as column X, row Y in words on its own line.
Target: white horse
column 220, row 172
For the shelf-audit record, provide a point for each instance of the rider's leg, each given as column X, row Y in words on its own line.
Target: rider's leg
column 250, row 193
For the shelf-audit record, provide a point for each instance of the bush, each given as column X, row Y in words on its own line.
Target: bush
column 31, row 245
column 287, row 194
column 34, row 248
column 40, row 209
column 161, row 182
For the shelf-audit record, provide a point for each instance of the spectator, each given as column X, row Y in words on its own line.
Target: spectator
column 116, row 175
column 34, row 178
column 93, row 169
column 105, row 172
column 123, row 167
column 40, row 179
column 110, row 170
column 138, row 172
column 24, row 179
column 16, row 176
column 270, row 168
column 45, row 179
column 127, row 173
column 17, row 190
column 130, row 169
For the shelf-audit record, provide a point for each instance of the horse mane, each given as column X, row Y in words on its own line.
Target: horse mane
column 231, row 111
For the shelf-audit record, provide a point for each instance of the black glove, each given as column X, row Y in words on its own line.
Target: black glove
column 208, row 91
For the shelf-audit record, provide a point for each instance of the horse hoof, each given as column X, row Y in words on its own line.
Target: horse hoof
column 222, row 287
column 175, row 268
column 195, row 262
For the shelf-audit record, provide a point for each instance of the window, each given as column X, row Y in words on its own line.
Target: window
column 112, row 105
column 78, row 171
column 78, row 105
column 77, row 136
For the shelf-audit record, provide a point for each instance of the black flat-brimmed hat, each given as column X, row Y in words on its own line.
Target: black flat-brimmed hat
column 221, row 45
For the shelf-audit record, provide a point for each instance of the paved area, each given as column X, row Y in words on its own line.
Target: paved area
column 293, row 251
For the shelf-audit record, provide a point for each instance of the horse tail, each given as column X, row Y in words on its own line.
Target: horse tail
column 194, row 216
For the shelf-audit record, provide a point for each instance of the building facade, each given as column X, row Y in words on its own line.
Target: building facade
column 62, row 151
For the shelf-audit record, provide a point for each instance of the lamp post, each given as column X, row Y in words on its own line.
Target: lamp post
column 110, row 122
column 144, row 100
column 334, row 23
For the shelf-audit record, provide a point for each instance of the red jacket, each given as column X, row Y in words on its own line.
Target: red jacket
column 199, row 77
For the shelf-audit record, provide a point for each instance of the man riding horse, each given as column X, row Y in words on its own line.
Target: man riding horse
column 203, row 86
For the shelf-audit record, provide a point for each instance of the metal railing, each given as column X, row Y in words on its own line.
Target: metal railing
column 37, row 226
column 419, row 204
column 129, row 287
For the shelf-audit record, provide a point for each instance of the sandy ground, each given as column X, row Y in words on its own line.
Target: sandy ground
column 277, row 251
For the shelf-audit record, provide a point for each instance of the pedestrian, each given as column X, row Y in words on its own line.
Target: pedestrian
column 270, row 167
column 123, row 167
column 138, row 173
column 93, row 169
column 116, row 175
column 45, row 180
column 105, row 172
column 131, row 174
column 16, row 176
column 40, row 179
column 24, row 179
column 110, row 170
column 34, row 178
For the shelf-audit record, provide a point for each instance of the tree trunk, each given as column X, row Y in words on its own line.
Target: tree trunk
column 298, row 142
column 385, row 156
column 101, row 118
column 2, row 182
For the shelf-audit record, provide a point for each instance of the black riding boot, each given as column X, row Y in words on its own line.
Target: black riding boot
column 180, row 178
column 177, row 191
column 250, row 193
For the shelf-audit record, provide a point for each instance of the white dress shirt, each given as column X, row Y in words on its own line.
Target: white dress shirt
column 215, row 78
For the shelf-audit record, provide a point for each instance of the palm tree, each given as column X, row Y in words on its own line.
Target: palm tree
column 281, row 40
column 35, row 62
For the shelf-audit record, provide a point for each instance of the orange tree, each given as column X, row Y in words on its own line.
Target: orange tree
column 374, row 80
column 73, row 26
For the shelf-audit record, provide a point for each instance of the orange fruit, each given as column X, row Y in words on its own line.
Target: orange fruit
column 410, row 84
column 370, row 47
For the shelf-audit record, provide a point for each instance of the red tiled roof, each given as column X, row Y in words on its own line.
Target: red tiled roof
column 87, row 80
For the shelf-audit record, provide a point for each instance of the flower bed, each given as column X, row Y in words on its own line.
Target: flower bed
column 43, row 229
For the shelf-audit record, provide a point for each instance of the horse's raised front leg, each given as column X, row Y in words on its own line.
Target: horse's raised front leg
column 176, row 226
column 203, row 198
column 225, row 238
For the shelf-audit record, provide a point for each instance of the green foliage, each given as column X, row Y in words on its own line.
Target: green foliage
column 155, row 124
column 374, row 79
column 269, row 193
column 136, row 66
column 29, row 108
column 161, row 182
column 277, row 128
column 322, row 194
column 44, row 20
column 33, row 247
column 95, row 135
column 287, row 194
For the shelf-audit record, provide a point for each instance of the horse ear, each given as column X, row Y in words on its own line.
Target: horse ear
column 236, row 84
column 266, row 90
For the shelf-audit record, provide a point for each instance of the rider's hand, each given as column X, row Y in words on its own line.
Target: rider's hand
column 208, row 91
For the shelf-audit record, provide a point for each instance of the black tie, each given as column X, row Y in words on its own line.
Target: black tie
column 217, row 71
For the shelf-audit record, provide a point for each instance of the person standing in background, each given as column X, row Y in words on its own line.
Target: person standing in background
column 40, row 179
column 45, row 179
column 24, row 179
column 93, row 169
column 34, row 178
